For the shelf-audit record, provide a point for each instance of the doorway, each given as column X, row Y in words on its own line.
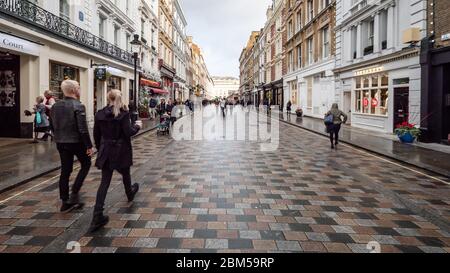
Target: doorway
column 10, row 95
column 401, row 105
column 347, row 107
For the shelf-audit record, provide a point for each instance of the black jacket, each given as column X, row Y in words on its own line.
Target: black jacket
column 113, row 139
column 69, row 122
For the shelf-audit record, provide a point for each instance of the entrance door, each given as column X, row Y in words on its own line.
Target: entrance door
column 401, row 105
column 9, row 95
column 348, row 106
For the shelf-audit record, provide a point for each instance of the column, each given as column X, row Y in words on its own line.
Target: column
column 377, row 34
column 346, row 44
column 359, row 52
column 391, row 29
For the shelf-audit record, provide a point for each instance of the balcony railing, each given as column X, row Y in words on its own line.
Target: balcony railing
column 32, row 14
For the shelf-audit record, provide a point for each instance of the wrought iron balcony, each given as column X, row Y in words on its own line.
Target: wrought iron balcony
column 34, row 15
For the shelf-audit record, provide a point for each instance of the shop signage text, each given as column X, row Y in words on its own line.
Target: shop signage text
column 16, row 44
column 445, row 37
column 369, row 71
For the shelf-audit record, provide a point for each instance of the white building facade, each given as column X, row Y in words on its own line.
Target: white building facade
column 179, row 52
column 224, row 86
column 83, row 36
column 377, row 61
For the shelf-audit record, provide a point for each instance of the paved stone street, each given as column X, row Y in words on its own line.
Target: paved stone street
column 228, row 196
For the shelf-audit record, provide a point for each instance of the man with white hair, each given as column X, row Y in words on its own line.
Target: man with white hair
column 72, row 139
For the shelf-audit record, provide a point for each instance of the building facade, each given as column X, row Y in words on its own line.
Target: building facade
column 166, row 65
column 274, row 66
column 310, row 56
column 225, row 86
column 181, row 90
column 435, row 62
column 377, row 71
column 36, row 56
column 246, row 61
column 202, row 83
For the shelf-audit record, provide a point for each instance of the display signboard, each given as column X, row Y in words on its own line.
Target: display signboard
column 100, row 74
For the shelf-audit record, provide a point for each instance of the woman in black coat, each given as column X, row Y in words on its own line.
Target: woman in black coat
column 112, row 133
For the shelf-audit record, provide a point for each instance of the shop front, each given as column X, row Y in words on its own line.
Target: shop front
column 9, row 95
column 274, row 94
column 60, row 72
column 382, row 98
column 16, row 96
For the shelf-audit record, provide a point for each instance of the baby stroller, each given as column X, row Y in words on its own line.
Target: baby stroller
column 164, row 126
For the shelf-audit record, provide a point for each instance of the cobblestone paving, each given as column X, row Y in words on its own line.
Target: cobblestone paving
column 219, row 196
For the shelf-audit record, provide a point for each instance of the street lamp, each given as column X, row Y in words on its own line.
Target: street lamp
column 136, row 47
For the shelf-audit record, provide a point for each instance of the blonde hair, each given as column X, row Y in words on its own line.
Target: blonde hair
column 115, row 100
column 40, row 99
column 68, row 87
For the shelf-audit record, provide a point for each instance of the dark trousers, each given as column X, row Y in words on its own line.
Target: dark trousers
column 67, row 152
column 334, row 133
column 107, row 174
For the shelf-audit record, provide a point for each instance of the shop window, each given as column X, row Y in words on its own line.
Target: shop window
column 375, row 81
column 372, row 95
column 114, row 83
column 384, row 80
column 366, row 101
column 59, row 73
column 358, row 101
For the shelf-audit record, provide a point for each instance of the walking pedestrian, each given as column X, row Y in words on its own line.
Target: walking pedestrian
column 162, row 107
column 112, row 134
column 174, row 113
column 41, row 121
column 223, row 105
column 49, row 102
column 72, row 139
column 334, row 121
column 289, row 109
column 152, row 107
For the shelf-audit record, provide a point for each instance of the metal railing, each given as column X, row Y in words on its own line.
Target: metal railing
column 32, row 14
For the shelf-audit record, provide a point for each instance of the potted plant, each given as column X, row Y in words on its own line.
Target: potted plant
column 299, row 112
column 407, row 132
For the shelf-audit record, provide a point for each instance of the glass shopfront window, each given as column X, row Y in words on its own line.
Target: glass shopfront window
column 114, row 83
column 372, row 95
column 59, row 73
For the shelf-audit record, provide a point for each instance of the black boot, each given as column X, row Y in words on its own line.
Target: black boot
column 134, row 191
column 98, row 222
column 75, row 199
column 67, row 207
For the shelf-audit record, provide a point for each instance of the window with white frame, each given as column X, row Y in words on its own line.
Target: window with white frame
column 310, row 50
column 325, row 42
column 310, row 10
column 372, row 94
column 299, row 20
column 299, row 56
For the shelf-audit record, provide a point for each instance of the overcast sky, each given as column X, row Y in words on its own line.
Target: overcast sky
column 222, row 28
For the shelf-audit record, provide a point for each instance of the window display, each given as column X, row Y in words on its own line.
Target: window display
column 372, row 95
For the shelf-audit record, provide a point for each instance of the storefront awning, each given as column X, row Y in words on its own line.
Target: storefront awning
column 159, row 91
column 150, row 83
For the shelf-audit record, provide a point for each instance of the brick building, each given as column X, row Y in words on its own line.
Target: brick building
column 310, row 51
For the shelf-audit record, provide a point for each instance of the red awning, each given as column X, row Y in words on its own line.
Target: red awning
column 150, row 83
column 159, row 91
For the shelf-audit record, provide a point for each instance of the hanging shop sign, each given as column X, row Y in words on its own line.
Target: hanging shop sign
column 369, row 71
column 13, row 43
column 100, row 74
